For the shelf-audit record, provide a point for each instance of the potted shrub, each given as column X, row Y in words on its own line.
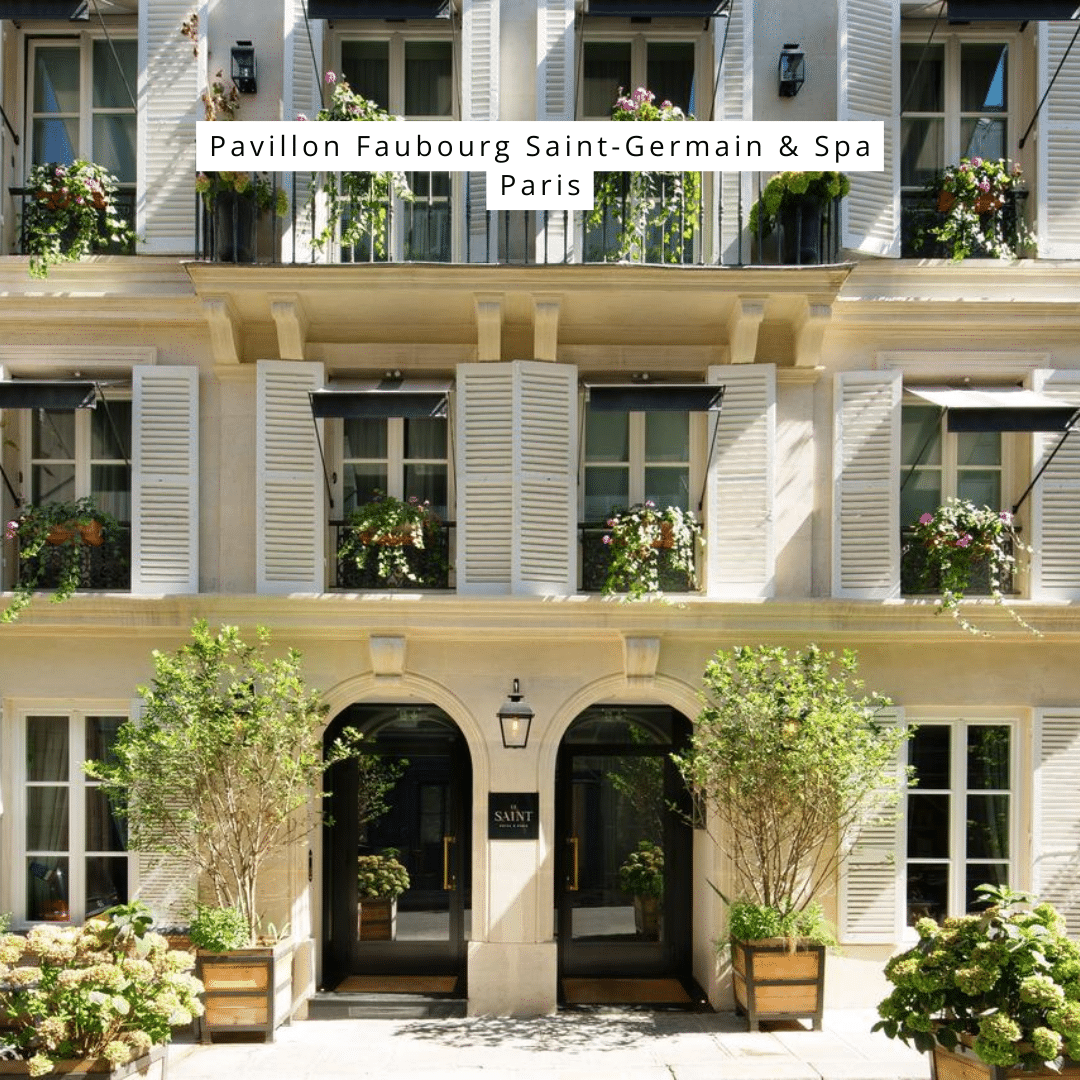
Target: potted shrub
column 995, row 994
column 100, row 998
column 978, row 216
column 642, row 876
column 387, row 533
column 53, row 545
column 961, row 542
column 223, row 762
column 241, row 206
column 381, row 879
column 655, row 214
column 785, row 757
column 71, row 211
column 796, row 202
column 644, row 542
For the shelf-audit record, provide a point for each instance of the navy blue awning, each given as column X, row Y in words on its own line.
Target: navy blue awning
column 67, row 10
column 412, row 399
column 46, row 394
column 1013, row 10
column 379, row 9
column 655, row 397
column 999, row 409
column 656, row 9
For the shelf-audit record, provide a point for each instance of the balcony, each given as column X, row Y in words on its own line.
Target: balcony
column 125, row 204
column 105, row 567
column 596, row 557
column 916, row 579
column 429, row 565
column 918, row 212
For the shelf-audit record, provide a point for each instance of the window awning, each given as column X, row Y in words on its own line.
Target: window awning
column 1013, row 10
column 413, row 399
column 46, row 394
column 656, row 9
column 999, row 410
column 379, row 9
column 655, row 397
column 67, row 10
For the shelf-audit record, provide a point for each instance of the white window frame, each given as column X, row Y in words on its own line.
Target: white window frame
column 13, row 892
column 84, row 41
column 958, row 792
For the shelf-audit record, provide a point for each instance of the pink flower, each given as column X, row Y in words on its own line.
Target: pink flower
column 10, row 530
column 977, row 162
column 926, row 519
column 984, row 185
column 650, row 504
column 300, row 116
column 1006, row 517
column 607, row 539
column 964, row 541
column 331, row 78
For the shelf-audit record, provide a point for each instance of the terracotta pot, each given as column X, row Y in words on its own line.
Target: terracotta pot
column 398, row 537
column 984, row 202
column 91, row 534
column 59, row 534
column 667, row 536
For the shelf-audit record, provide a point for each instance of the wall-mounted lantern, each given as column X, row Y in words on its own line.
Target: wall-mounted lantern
column 792, row 70
column 515, row 716
column 243, row 67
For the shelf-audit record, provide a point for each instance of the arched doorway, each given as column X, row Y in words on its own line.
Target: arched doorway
column 409, row 795
column 624, row 868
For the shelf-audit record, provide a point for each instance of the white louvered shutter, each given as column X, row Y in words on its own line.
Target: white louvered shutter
column 1055, row 499
column 290, row 507
column 1056, row 816
column 170, row 82
column 871, row 878
column 555, row 76
column 740, row 548
column 1059, row 145
column 484, row 422
column 302, row 93
column 735, row 101
column 480, row 58
column 866, row 485
column 545, row 520
column 165, row 480
column 869, row 83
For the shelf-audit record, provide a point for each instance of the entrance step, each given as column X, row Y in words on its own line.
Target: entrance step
column 345, row 1005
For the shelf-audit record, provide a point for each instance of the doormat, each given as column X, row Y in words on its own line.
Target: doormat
column 397, row 984
column 625, row 992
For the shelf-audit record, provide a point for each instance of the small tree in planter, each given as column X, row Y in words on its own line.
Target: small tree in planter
column 636, row 538
column 796, row 201
column 786, row 756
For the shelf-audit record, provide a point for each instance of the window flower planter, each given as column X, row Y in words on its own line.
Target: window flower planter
column 775, row 982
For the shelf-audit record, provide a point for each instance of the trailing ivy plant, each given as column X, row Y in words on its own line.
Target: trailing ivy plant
column 636, row 539
column 384, row 530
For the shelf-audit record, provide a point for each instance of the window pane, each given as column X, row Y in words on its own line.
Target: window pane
column 361, row 482
column 47, row 888
column 105, row 829
column 982, row 874
column 366, row 67
column 110, row 486
column 922, row 149
column 605, row 489
column 106, row 883
column 607, row 436
column 670, row 73
column 427, row 483
column 930, row 754
column 920, row 435
column 427, row 218
column 46, row 819
column 425, row 439
column 988, row 757
column 927, row 892
column 47, row 748
column 982, row 487
column 667, row 436
column 928, row 826
column 114, row 145
column 364, row 439
column 607, row 68
column 56, row 140
column 53, row 483
column 982, row 138
column 668, row 487
column 983, row 74
column 988, row 826
column 920, row 494
column 922, row 77
column 53, row 434
column 110, row 91
column 56, row 80
column 978, row 448
column 101, row 737
column 429, row 89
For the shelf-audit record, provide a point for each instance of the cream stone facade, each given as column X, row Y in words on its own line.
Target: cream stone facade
column 235, row 493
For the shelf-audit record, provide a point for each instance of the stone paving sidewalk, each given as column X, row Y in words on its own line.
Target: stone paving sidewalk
column 625, row 1045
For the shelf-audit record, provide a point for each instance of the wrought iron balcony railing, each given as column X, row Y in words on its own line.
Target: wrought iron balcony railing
column 429, row 565
column 106, row 566
column 596, row 558
column 919, row 579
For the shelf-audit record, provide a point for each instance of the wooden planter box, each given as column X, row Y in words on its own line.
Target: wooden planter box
column 376, row 920
column 963, row 1064
column 150, row 1067
column 774, row 983
column 245, row 990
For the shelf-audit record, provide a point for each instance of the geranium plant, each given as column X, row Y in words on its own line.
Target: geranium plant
column 785, row 189
column 381, row 877
column 960, row 540
column 71, row 211
column 384, row 531
column 972, row 197
column 107, row 991
column 638, row 537
column 357, row 204
column 649, row 208
column 52, row 540
column 1006, row 982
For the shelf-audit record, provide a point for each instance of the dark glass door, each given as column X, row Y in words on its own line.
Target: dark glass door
column 408, row 799
column 623, row 877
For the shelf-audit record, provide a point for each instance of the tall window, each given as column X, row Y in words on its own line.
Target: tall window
column 81, row 103
column 74, row 861
column 412, row 78
column 664, row 67
column 961, row 815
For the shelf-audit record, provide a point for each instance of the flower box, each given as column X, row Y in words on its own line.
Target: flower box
column 149, row 1067
column 963, row 1064
column 376, row 920
column 774, row 982
column 245, row 990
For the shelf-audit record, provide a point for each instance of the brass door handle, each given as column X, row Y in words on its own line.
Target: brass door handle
column 448, row 880
column 572, row 883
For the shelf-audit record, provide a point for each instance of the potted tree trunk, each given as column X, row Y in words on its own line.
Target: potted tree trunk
column 785, row 757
